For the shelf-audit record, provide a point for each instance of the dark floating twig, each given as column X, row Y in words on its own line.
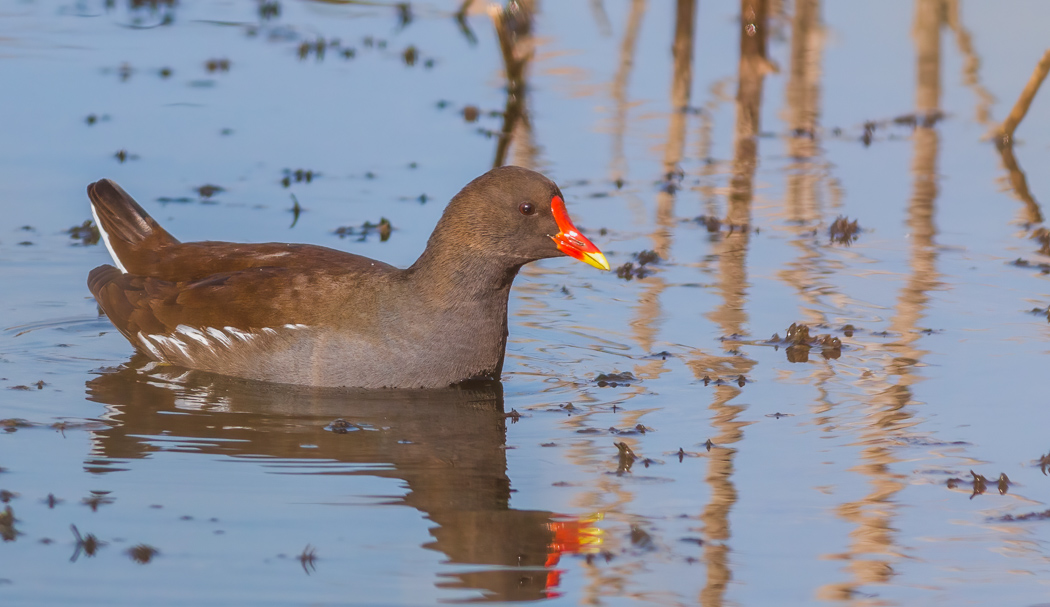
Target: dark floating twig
column 88, row 545
column 308, row 559
column 297, row 210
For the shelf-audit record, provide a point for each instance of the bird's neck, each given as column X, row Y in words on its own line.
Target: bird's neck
column 459, row 273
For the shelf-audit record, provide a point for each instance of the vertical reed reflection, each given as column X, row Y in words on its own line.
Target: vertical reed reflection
column 619, row 88
column 971, row 64
column 1004, row 137
column 644, row 326
column 731, row 316
column 873, row 549
column 517, row 45
column 1031, row 214
column 732, row 253
column 806, row 172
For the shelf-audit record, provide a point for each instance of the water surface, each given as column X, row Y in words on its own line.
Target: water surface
column 903, row 465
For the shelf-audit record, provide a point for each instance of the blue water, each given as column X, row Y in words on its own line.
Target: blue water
column 824, row 480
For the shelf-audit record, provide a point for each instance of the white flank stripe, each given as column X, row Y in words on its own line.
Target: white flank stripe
column 195, row 335
column 149, row 346
column 170, row 343
column 219, row 336
column 241, row 335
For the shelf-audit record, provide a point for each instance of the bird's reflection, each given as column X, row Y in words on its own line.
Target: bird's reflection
column 447, row 445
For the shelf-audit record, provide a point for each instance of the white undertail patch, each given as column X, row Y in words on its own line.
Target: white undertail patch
column 105, row 239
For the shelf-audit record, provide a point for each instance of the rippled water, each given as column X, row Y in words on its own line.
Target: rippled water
column 902, row 464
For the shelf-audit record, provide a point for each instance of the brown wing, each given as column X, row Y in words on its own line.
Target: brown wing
column 144, row 248
column 192, row 261
column 248, row 300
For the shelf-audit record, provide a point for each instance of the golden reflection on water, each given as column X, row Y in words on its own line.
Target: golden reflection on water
column 513, row 25
column 873, row 549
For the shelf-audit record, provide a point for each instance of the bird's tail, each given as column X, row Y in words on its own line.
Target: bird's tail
column 125, row 227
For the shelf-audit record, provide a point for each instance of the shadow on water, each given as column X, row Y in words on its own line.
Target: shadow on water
column 448, row 446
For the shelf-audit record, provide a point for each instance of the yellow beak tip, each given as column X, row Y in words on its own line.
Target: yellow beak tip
column 597, row 260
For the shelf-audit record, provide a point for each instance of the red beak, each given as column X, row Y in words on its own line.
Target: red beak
column 571, row 242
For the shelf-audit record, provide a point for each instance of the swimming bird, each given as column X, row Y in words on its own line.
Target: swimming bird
column 311, row 315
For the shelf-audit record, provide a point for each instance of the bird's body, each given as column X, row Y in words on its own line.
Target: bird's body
column 310, row 315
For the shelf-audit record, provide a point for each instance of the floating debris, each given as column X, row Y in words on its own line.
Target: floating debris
column 980, row 483
column 96, row 499
column 208, row 190
column 308, row 559
column 713, row 224
column 298, row 176
column 296, row 210
column 217, row 65
column 625, row 457
column 89, row 545
column 640, row 538
column 799, row 343
column 1020, row 518
column 341, row 426
column 613, row 380
column 647, row 257
column 7, row 525
column 142, row 553
column 123, row 156
column 629, row 272
column 410, row 55
column 383, row 228
column 87, row 233
column 1044, row 268
column 843, row 231
column 269, row 9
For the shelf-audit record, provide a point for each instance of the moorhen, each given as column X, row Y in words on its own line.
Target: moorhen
column 310, row 315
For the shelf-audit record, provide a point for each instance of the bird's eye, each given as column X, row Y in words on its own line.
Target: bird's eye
column 527, row 208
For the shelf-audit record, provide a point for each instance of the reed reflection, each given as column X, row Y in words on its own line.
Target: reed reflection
column 731, row 316
column 1004, row 138
column 448, row 446
column 807, row 172
column 514, row 30
column 873, row 549
column 624, row 67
